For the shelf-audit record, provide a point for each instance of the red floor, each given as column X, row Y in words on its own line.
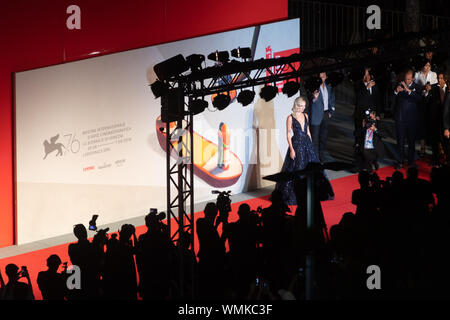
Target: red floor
column 333, row 210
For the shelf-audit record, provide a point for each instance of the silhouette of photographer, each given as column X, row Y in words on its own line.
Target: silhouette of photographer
column 119, row 274
column 87, row 256
column 51, row 283
column 211, row 254
column 155, row 259
column 15, row 289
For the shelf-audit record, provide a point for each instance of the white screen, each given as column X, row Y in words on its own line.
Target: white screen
column 98, row 118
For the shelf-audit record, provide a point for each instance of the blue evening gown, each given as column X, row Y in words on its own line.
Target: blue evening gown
column 304, row 154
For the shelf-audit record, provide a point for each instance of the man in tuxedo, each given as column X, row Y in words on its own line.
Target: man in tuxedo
column 322, row 108
column 367, row 97
column 435, row 97
column 407, row 96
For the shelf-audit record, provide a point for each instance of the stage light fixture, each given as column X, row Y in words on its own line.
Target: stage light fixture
column 159, row 88
column 246, row 97
column 171, row 67
column 268, row 92
column 221, row 101
column 219, row 56
column 195, row 61
column 290, row 88
column 243, row 53
column 197, row 106
column 312, row 84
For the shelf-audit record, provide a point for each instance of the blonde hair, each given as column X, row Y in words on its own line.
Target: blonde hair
column 297, row 102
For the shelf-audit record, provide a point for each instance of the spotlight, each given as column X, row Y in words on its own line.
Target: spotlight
column 268, row 92
column 172, row 105
column 243, row 53
column 290, row 88
column 219, row 56
column 197, row 106
column 246, row 97
column 195, row 61
column 159, row 88
column 171, row 67
column 221, row 101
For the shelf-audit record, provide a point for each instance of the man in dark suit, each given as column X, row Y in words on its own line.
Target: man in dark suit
column 435, row 97
column 407, row 96
column 367, row 97
column 322, row 108
column 446, row 123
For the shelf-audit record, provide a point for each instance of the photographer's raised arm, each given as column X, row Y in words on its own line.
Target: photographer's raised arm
column 30, row 294
column 2, row 287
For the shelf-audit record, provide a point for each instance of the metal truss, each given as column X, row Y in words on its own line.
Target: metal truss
column 239, row 75
column 180, row 184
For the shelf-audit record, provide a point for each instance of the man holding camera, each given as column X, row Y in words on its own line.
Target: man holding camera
column 15, row 289
column 407, row 97
column 367, row 97
column 369, row 139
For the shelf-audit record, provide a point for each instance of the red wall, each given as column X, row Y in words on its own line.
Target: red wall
column 34, row 34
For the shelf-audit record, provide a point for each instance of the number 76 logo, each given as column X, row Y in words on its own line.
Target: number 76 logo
column 72, row 145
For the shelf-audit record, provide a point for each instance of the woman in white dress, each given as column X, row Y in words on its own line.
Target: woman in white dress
column 425, row 78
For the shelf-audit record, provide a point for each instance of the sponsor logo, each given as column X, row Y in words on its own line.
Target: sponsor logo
column 106, row 165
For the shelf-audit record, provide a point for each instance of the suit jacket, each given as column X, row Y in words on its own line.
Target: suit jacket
column 434, row 103
column 365, row 100
column 406, row 104
column 316, row 112
column 446, row 121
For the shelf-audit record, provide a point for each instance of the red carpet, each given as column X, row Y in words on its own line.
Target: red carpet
column 333, row 210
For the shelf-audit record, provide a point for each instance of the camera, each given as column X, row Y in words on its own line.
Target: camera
column 223, row 204
column 223, row 201
column 93, row 223
column 368, row 120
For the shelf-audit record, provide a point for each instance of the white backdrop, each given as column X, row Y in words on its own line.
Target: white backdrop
column 101, row 114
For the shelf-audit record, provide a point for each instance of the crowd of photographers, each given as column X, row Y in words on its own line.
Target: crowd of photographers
column 399, row 225
column 415, row 94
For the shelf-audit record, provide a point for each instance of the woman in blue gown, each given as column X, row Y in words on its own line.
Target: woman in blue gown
column 300, row 151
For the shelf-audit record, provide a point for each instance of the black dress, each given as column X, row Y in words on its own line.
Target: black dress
column 304, row 154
